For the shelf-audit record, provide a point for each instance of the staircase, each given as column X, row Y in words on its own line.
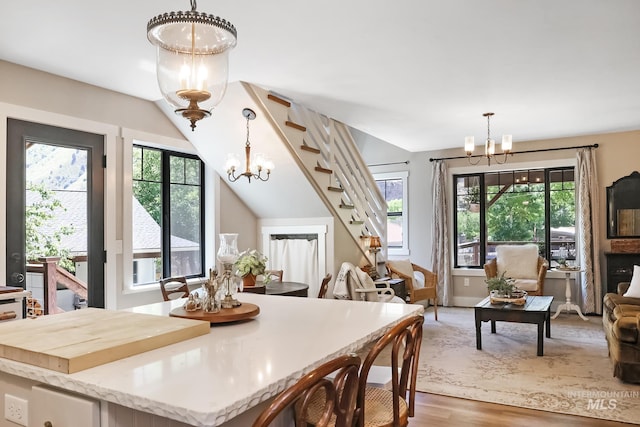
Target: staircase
column 328, row 156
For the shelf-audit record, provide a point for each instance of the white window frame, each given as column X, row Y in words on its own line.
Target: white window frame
column 404, row 176
column 129, row 139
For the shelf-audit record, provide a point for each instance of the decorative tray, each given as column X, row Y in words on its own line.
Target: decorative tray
column 225, row 315
column 568, row 268
column 517, row 301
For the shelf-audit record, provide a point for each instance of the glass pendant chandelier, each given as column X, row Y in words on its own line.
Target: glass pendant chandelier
column 489, row 145
column 192, row 60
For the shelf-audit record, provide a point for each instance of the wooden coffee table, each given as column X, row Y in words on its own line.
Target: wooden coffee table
column 535, row 310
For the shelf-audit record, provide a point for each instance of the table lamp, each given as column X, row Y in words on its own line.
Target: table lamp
column 374, row 246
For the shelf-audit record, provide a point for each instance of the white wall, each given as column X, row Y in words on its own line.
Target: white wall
column 236, row 217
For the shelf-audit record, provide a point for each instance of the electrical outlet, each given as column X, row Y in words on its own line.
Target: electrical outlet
column 466, row 281
column 16, row 410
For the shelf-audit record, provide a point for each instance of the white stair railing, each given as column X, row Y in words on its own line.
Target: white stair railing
column 331, row 161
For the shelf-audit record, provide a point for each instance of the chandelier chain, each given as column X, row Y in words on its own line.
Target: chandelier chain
column 193, row 5
column 488, row 128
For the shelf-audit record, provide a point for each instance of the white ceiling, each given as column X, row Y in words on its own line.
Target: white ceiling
column 416, row 73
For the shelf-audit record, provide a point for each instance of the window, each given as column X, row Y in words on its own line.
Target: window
column 168, row 232
column 393, row 187
column 514, row 207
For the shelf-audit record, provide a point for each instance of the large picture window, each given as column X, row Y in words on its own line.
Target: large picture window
column 514, row 207
column 167, row 213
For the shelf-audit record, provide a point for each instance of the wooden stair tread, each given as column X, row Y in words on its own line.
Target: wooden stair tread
column 356, row 222
column 309, row 149
column 279, row 100
column 347, row 206
column 323, row 170
column 295, row 126
column 336, row 189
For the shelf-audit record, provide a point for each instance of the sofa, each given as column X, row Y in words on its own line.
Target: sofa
column 621, row 320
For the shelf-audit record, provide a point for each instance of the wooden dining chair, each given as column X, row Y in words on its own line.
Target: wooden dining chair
column 172, row 286
column 392, row 407
column 338, row 406
column 324, row 286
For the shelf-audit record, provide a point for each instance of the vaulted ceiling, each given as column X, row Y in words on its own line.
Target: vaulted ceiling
column 417, row 73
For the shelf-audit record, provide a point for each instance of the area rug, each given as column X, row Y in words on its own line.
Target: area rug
column 573, row 377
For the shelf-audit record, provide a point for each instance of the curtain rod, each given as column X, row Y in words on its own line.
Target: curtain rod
column 406, row 162
column 518, row 152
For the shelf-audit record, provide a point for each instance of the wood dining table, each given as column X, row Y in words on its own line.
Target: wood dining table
column 276, row 287
column 292, row 289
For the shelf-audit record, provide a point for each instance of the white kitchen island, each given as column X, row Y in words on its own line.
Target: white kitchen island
column 224, row 377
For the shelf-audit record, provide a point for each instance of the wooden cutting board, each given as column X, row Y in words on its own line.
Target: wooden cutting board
column 81, row 339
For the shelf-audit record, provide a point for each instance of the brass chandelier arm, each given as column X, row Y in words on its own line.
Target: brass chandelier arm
column 233, row 178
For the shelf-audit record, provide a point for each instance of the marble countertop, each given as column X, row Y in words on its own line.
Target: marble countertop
column 208, row 380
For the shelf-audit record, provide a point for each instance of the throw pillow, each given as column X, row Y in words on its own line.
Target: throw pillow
column 517, row 261
column 634, row 287
column 403, row 266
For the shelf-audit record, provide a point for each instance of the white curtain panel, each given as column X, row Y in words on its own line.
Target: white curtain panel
column 298, row 258
column 440, row 257
column 587, row 232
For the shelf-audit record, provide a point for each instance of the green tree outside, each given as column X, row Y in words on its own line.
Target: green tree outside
column 519, row 215
column 38, row 216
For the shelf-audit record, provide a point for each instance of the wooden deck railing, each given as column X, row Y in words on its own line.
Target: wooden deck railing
column 54, row 275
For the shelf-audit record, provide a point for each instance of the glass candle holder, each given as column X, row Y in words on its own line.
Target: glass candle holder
column 227, row 256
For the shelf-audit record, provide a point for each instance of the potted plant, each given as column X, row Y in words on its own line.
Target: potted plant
column 473, row 198
column 250, row 264
column 500, row 286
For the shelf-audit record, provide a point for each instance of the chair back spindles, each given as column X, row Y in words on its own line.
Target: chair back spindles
column 333, row 399
column 174, row 285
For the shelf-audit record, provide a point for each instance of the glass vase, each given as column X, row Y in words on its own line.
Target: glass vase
column 227, row 256
column 228, row 250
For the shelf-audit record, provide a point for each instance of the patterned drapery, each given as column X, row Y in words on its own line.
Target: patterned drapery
column 587, row 232
column 440, row 257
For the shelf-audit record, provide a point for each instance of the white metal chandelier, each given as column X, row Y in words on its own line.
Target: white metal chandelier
column 489, row 146
column 192, row 60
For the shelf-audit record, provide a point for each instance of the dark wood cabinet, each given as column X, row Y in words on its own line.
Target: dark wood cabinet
column 619, row 268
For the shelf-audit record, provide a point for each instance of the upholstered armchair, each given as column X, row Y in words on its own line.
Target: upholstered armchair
column 420, row 283
column 521, row 263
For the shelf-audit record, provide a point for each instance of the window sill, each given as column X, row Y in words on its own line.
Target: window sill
column 479, row 272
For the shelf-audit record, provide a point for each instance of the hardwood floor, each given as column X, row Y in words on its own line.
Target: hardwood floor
column 442, row 411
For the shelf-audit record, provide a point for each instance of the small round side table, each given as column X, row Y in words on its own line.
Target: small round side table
column 569, row 305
